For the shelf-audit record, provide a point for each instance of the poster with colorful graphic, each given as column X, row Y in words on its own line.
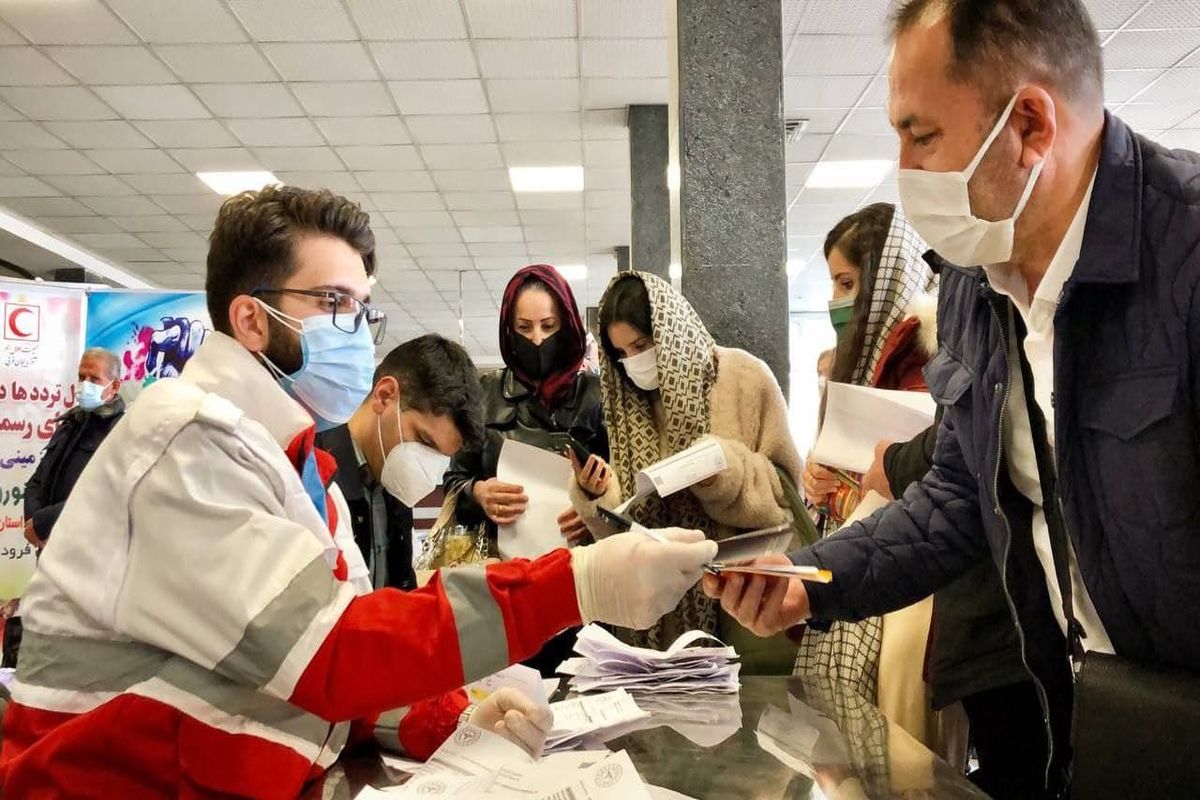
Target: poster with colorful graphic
column 153, row 333
column 40, row 345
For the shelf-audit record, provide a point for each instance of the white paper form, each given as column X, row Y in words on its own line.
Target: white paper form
column 580, row 717
column 589, row 774
column 858, row 417
column 701, row 461
column 518, row 676
column 546, row 478
column 614, row 778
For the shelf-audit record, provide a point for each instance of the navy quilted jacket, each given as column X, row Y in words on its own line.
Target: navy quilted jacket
column 1127, row 380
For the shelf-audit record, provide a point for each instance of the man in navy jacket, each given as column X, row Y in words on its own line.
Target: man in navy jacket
column 1075, row 343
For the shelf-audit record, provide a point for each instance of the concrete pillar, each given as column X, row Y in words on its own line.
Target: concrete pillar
column 728, row 102
column 649, row 146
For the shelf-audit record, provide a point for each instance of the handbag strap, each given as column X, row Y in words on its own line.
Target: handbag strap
column 449, row 505
column 1051, row 502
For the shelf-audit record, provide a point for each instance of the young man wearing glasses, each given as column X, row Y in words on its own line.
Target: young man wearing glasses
column 202, row 598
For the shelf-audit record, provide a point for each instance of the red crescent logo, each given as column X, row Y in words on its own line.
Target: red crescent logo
column 19, row 332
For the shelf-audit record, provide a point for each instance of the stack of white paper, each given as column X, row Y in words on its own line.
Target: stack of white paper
column 545, row 477
column 608, row 663
column 858, row 417
column 475, row 763
column 597, row 718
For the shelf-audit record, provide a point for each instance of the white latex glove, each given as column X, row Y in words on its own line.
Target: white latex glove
column 514, row 716
column 632, row 581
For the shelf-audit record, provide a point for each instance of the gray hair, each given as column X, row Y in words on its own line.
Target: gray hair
column 111, row 362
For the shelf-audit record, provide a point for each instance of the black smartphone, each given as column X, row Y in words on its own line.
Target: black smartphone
column 621, row 522
column 564, row 441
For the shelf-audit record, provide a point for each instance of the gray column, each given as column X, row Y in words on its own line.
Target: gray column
column 732, row 200
column 650, row 242
column 621, row 251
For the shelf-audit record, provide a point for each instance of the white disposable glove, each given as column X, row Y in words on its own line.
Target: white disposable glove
column 514, row 716
column 631, row 580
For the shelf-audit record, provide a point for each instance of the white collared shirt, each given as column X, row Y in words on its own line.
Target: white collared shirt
column 1038, row 317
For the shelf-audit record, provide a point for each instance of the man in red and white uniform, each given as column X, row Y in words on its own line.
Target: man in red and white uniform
column 194, row 627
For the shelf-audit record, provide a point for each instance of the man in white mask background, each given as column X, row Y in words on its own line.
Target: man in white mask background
column 1069, row 251
column 425, row 405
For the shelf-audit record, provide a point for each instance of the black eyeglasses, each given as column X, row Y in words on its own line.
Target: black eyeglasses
column 348, row 311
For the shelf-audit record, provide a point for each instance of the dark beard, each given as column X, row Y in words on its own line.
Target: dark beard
column 283, row 347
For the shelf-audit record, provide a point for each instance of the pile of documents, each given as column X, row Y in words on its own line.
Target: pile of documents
column 475, row 763
column 593, row 720
column 608, row 663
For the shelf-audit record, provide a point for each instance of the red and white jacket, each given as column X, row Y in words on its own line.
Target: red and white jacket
column 191, row 630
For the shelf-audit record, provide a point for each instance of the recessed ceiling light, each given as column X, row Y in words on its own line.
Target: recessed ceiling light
column 848, row 174
column 234, row 182
column 546, row 179
column 574, row 272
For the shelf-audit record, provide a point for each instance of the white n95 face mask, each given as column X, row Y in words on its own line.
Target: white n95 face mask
column 642, row 369
column 938, row 206
column 411, row 470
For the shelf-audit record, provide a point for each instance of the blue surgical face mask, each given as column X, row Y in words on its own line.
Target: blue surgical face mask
column 91, row 395
column 336, row 373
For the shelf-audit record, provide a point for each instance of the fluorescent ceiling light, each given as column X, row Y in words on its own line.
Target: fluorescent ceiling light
column 574, row 272
column 546, row 179
column 795, row 266
column 234, row 182
column 23, row 229
column 848, row 174
column 675, row 270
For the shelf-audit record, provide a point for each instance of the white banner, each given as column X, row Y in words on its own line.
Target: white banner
column 40, row 345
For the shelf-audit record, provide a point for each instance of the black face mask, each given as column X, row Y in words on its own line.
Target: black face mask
column 537, row 361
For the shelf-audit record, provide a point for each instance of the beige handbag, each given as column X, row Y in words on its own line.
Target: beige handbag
column 451, row 544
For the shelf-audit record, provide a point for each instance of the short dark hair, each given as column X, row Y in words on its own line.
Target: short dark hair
column 999, row 43
column 252, row 242
column 625, row 301
column 860, row 237
column 437, row 376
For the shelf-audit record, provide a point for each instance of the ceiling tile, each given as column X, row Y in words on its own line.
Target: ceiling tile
column 528, row 58
column 295, row 20
column 357, row 98
column 62, row 208
column 870, row 121
column 833, row 54
column 1111, row 14
column 363, row 130
column 90, row 185
column 153, row 102
column 381, row 158
column 470, row 180
column 550, row 200
column 419, row 219
column 607, row 178
column 503, row 266
column 77, row 224
column 189, row 203
column 121, row 206
column 462, row 156
column 1177, row 87
column 479, row 201
column 452, row 129
column 325, row 61
column 9, row 36
column 1180, row 138
column 407, row 201
column 808, row 148
column 1149, row 49
column 56, row 102
column 1152, row 116
column 619, row 18
column 408, row 19
column 439, row 97
column 155, row 224
column 173, row 239
column 310, row 159
column 179, row 20
column 113, row 64
column 185, row 132
column 534, row 95
column 1122, row 85
column 201, row 223
column 401, row 61
column 340, row 182
column 821, row 120
column 511, row 233
column 624, row 58
column 251, row 100
column 610, row 92
column 418, row 234
column 111, row 133
column 107, row 240
column 499, row 250
column 825, row 92
column 28, row 136
column 215, row 159
column 88, row 22
column 134, row 161
column 521, row 19
column 25, row 66
column 217, row 63
column 276, row 132
column 549, row 218
column 7, row 112
column 539, row 127
column 447, row 264
column 436, row 249
column 608, row 123
column 607, row 199
column 393, row 181
column 532, row 154
column 606, row 153
column 53, row 162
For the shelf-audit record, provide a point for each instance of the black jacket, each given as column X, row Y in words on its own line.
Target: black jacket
column 388, row 552
column 512, row 411
column 1126, row 391
column 68, row 452
column 975, row 645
